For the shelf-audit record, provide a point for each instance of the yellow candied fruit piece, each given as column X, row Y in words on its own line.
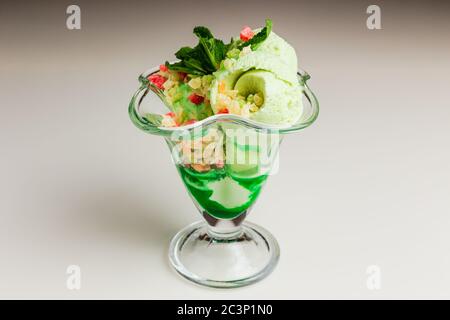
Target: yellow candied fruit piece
column 195, row 83
column 253, row 107
column 168, row 121
column 169, row 84
column 221, row 87
column 170, row 94
column 224, row 100
column 258, row 100
column 232, row 93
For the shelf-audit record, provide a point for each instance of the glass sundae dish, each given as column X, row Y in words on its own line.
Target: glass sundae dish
column 223, row 110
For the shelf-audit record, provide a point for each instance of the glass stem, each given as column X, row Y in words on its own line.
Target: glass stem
column 225, row 230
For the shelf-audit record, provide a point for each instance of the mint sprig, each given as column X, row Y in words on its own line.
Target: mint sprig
column 206, row 56
column 202, row 59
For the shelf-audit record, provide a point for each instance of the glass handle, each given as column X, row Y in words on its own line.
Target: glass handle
column 304, row 76
column 133, row 110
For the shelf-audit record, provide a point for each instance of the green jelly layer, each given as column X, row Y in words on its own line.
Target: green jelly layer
column 222, row 193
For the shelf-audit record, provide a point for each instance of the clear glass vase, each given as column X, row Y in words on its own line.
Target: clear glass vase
column 223, row 161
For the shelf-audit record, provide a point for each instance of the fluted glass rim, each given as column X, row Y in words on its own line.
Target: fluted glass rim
column 145, row 125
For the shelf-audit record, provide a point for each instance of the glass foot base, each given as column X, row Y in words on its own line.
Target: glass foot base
column 244, row 258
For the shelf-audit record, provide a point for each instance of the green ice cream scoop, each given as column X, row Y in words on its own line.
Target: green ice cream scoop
column 270, row 71
column 274, row 55
column 282, row 101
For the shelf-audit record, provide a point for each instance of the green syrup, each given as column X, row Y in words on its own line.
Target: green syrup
column 223, row 193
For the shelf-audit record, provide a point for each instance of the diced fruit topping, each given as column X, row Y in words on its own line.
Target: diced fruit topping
column 224, row 110
column 246, row 34
column 195, row 83
column 163, row 68
column 196, row 99
column 190, row 121
column 221, row 87
column 258, row 100
column 233, row 53
column 182, row 75
column 168, row 120
column 200, row 167
column 169, row 84
column 158, row 80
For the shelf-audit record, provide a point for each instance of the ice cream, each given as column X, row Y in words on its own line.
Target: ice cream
column 254, row 77
column 270, row 71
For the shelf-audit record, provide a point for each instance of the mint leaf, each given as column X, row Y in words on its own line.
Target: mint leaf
column 195, row 65
column 203, row 32
column 183, row 53
column 214, row 50
column 204, row 58
column 182, row 67
column 220, row 51
column 234, row 44
column 202, row 55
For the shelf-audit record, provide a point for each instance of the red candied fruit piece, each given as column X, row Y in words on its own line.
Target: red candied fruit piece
column 224, row 110
column 246, row 34
column 163, row 68
column 190, row 121
column 182, row 75
column 173, row 116
column 158, row 80
column 196, row 99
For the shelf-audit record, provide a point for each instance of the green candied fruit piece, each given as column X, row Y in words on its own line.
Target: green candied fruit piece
column 233, row 53
column 188, row 110
column 206, row 80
